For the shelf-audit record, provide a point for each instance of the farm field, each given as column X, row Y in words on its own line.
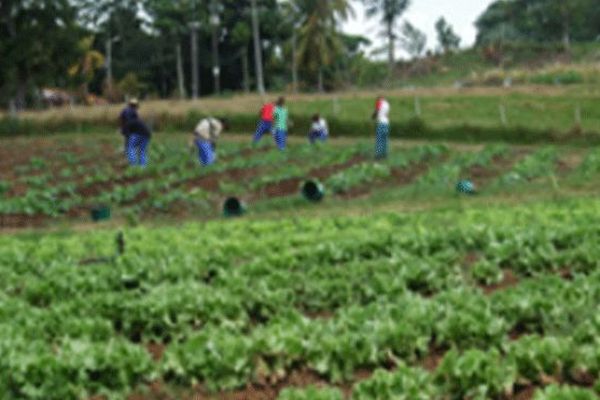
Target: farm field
column 486, row 303
column 57, row 181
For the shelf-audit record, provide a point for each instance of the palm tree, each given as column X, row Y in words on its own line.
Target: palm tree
column 84, row 69
column 319, row 34
column 389, row 12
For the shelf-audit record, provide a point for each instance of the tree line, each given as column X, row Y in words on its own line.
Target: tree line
column 542, row 21
column 189, row 48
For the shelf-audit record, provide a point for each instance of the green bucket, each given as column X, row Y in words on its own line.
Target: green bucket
column 313, row 190
column 233, row 207
column 466, row 187
column 100, row 213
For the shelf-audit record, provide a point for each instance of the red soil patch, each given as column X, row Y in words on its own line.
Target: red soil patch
column 526, row 393
column 433, row 359
column 211, row 182
column 156, row 350
column 22, row 220
column 470, row 259
column 327, row 171
column 399, row 177
column 482, row 175
column 291, row 186
column 263, row 391
column 283, row 188
column 509, row 280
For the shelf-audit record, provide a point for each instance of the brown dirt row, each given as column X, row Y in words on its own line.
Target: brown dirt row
column 482, row 176
column 22, row 221
column 291, row 186
column 399, row 177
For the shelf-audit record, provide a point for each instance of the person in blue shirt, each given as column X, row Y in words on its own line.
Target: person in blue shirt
column 138, row 138
column 129, row 113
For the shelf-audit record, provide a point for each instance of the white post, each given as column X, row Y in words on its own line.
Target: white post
column 418, row 107
column 194, row 26
column 12, row 106
column 503, row 119
column 336, row 105
column 578, row 115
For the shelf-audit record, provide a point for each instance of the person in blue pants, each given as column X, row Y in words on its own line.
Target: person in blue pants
column 138, row 138
column 265, row 125
column 319, row 130
column 205, row 137
column 382, row 130
column 281, row 124
column 129, row 113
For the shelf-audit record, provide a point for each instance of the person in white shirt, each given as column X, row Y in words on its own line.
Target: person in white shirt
column 205, row 137
column 318, row 129
column 382, row 132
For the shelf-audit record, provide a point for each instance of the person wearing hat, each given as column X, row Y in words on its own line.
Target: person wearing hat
column 205, row 138
column 138, row 138
column 129, row 113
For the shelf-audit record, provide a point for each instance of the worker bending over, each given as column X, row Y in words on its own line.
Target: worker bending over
column 206, row 134
column 319, row 130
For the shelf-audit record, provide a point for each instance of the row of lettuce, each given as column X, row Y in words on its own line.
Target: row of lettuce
column 168, row 184
column 262, row 299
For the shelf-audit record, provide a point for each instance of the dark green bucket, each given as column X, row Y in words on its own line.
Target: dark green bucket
column 233, row 207
column 313, row 190
column 100, row 213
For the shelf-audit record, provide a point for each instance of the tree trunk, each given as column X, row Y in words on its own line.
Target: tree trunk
column 566, row 35
column 180, row 76
column 294, row 63
column 195, row 72
column 260, row 83
column 321, row 85
column 21, row 95
column 245, row 70
column 391, row 50
column 216, row 61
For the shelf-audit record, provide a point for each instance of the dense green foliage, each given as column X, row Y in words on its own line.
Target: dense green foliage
column 239, row 309
column 539, row 20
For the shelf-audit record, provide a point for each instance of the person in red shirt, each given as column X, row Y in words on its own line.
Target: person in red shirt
column 265, row 125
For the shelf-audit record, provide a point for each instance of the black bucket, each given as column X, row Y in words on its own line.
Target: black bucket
column 233, row 207
column 100, row 213
column 313, row 191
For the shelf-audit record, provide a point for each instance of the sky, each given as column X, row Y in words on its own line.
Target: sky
column 461, row 14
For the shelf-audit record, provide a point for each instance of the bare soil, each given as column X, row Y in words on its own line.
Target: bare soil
column 509, row 280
